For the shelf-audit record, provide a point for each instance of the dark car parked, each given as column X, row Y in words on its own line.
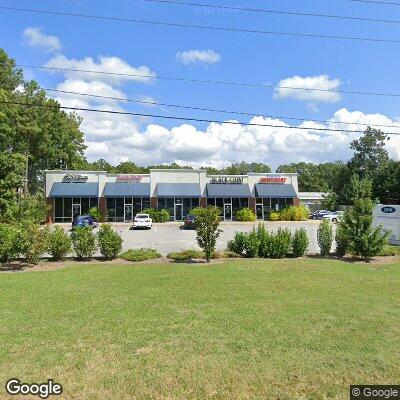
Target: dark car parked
column 190, row 222
column 319, row 214
column 84, row 220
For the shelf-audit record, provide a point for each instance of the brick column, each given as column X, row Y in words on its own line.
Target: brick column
column 50, row 212
column 203, row 202
column 252, row 204
column 296, row 201
column 153, row 202
column 103, row 208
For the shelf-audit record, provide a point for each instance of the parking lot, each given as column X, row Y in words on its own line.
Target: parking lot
column 170, row 237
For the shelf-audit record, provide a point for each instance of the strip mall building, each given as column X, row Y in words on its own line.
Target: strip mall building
column 120, row 197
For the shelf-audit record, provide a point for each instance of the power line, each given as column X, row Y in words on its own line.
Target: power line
column 209, row 27
column 278, row 12
column 185, row 118
column 214, row 110
column 209, row 81
column 384, row 3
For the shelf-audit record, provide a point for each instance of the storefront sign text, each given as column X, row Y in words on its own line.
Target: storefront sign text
column 75, row 178
column 225, row 180
column 128, row 178
column 272, row 180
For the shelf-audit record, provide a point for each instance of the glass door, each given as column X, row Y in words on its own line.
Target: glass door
column 128, row 212
column 178, row 212
column 260, row 211
column 228, row 212
column 76, row 210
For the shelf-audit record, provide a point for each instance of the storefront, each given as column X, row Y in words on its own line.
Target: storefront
column 120, row 197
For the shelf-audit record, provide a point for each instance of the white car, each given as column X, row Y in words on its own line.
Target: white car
column 334, row 216
column 142, row 221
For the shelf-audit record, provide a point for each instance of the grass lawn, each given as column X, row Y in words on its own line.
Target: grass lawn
column 238, row 329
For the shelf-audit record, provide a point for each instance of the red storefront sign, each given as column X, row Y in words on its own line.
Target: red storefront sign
column 128, row 178
column 274, row 179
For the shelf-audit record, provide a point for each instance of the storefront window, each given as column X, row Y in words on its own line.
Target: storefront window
column 64, row 207
column 119, row 210
column 161, row 203
column 195, row 202
column 111, row 210
column 145, row 202
column 85, row 206
column 211, row 201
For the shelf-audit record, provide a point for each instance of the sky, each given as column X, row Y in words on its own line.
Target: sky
column 153, row 51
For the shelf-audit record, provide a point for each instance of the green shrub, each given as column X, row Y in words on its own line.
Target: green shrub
column 325, row 237
column 237, row 244
column 280, row 243
column 245, row 215
column 157, row 215
column 264, row 239
column 300, row 242
column 33, row 242
column 95, row 213
column 291, row 213
column 109, row 242
column 185, row 255
column 342, row 240
column 251, row 244
column 9, row 248
column 225, row 254
column 390, row 250
column 83, row 242
column 58, row 243
column 140, row 254
column 274, row 216
column 364, row 240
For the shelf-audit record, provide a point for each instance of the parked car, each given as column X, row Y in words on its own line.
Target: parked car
column 190, row 222
column 84, row 220
column 334, row 216
column 142, row 221
column 319, row 214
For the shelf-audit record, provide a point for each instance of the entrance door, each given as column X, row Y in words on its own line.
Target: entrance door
column 76, row 210
column 128, row 212
column 260, row 211
column 227, row 212
column 178, row 212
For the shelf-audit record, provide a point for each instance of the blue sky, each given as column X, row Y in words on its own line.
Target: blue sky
column 214, row 55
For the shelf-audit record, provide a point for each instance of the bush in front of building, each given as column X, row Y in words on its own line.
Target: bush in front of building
column 58, row 243
column 274, row 216
column 300, row 242
column 251, row 244
column 259, row 242
column 342, row 240
column 9, row 248
column 109, row 242
column 140, row 254
column 245, row 215
column 186, row 255
column 157, row 215
column 207, row 229
column 294, row 213
column 33, row 242
column 237, row 244
column 83, row 242
column 280, row 243
column 325, row 237
column 95, row 213
column 363, row 240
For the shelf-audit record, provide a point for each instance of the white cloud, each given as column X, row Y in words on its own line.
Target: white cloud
column 198, row 56
column 114, row 65
column 323, row 83
column 119, row 138
column 34, row 37
column 95, row 88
